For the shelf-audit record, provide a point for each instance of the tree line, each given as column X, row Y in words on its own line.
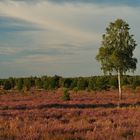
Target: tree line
column 78, row 83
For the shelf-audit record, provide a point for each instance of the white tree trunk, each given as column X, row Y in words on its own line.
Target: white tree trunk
column 119, row 85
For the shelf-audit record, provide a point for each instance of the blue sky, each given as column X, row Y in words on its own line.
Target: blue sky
column 48, row 37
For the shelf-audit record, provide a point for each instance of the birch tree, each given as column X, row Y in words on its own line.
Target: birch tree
column 116, row 51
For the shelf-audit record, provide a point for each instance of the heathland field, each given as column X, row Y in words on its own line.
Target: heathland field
column 43, row 115
column 51, row 87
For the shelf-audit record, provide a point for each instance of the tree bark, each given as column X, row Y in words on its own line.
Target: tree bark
column 119, row 85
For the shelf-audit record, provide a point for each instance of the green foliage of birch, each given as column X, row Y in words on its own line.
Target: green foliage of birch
column 116, row 51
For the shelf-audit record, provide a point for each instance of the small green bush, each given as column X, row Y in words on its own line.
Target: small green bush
column 66, row 95
column 75, row 89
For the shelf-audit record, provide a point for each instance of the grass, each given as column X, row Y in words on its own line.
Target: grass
column 87, row 116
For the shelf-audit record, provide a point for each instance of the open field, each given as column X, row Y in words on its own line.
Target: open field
column 42, row 115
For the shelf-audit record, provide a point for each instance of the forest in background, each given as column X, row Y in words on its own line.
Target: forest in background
column 78, row 83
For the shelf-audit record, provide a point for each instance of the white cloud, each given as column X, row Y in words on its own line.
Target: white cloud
column 65, row 20
column 9, row 51
column 39, row 14
column 31, row 59
column 62, row 18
